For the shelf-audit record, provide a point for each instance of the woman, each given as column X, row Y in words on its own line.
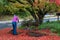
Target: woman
column 14, row 24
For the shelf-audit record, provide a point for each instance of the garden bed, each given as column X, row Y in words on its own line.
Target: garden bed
column 27, row 35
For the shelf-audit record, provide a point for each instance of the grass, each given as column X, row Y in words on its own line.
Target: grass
column 53, row 26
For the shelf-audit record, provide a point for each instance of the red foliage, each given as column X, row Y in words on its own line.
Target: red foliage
column 57, row 2
column 52, row 0
column 5, row 35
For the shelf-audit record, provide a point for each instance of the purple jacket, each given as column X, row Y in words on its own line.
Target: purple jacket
column 15, row 19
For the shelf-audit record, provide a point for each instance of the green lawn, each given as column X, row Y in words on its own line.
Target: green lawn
column 53, row 26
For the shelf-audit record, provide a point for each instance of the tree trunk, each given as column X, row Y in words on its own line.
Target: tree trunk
column 34, row 16
column 40, row 16
column 40, row 19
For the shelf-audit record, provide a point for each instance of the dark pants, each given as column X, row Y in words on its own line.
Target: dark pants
column 14, row 24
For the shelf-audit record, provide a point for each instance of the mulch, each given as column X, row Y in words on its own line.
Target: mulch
column 23, row 35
